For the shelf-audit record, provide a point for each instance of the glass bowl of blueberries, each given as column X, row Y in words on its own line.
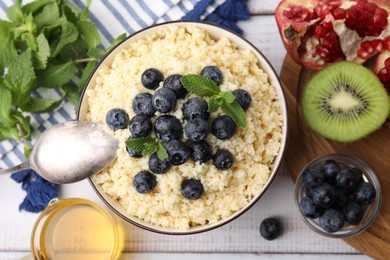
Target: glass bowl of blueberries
column 338, row 195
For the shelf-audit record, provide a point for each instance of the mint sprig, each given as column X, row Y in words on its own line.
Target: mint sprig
column 147, row 146
column 203, row 86
column 44, row 44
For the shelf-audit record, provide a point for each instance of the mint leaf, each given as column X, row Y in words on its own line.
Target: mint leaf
column 48, row 16
column 15, row 13
column 5, row 105
column 20, row 78
column 138, row 144
column 24, row 123
column 41, row 105
column 69, row 34
column 36, row 5
column 7, row 46
column 200, row 85
column 27, row 149
column 227, row 97
column 43, row 53
column 161, row 152
column 30, row 40
column 71, row 12
column 235, row 111
column 213, row 104
column 118, row 39
column 85, row 12
column 74, row 50
column 149, row 148
column 72, row 93
column 96, row 53
column 87, row 72
column 57, row 75
column 8, row 133
column 89, row 32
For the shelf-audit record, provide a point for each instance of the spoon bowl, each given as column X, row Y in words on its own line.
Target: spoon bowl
column 70, row 152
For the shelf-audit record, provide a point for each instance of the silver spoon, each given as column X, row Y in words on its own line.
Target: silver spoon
column 70, row 152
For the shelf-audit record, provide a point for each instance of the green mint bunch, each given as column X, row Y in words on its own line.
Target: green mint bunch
column 203, row 86
column 44, row 44
column 147, row 146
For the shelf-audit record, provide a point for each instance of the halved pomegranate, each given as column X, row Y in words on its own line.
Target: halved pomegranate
column 316, row 33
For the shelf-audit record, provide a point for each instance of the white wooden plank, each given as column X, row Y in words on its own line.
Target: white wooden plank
column 262, row 6
column 263, row 33
column 195, row 256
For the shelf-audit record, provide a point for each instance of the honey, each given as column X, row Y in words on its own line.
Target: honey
column 76, row 229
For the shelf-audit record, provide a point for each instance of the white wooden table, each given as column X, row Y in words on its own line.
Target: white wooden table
column 237, row 240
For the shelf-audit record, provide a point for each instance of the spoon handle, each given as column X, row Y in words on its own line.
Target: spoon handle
column 22, row 166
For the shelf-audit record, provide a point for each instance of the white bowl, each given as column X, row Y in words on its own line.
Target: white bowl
column 216, row 32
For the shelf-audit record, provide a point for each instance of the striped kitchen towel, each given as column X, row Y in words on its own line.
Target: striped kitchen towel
column 114, row 17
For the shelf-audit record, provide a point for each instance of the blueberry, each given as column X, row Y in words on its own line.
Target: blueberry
column 342, row 199
column 168, row 128
column 270, row 228
column 214, row 73
column 151, row 78
column 117, row 118
column 332, row 220
column 324, row 195
column 223, row 127
column 164, row 100
column 243, row 98
column 330, row 169
column 192, row 189
column 349, row 179
column 144, row 182
column 140, row 126
column 364, row 193
column 309, row 209
column 173, row 83
column 142, row 104
column 200, row 151
column 223, row 159
column 132, row 152
column 196, row 129
column 312, row 177
column 178, row 152
column 158, row 166
column 195, row 108
column 353, row 213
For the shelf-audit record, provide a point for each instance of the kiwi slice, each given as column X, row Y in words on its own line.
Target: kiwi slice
column 345, row 102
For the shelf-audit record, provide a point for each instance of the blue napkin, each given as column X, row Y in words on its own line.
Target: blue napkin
column 112, row 18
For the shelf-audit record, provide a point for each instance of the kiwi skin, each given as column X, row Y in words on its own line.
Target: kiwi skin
column 345, row 102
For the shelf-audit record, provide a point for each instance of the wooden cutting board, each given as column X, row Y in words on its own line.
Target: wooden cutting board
column 304, row 145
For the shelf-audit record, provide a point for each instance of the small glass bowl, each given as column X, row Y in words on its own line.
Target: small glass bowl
column 371, row 210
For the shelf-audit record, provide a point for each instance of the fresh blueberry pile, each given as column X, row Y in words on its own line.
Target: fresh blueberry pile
column 336, row 194
column 169, row 130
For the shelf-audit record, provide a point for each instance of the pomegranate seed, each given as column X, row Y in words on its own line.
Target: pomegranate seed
column 371, row 7
column 338, row 13
column 362, row 54
column 367, row 46
column 377, row 19
column 387, row 43
column 334, row 3
column 319, row 32
column 387, row 63
column 381, row 12
column 378, row 45
column 357, row 12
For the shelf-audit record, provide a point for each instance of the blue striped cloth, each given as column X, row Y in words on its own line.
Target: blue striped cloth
column 112, row 17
